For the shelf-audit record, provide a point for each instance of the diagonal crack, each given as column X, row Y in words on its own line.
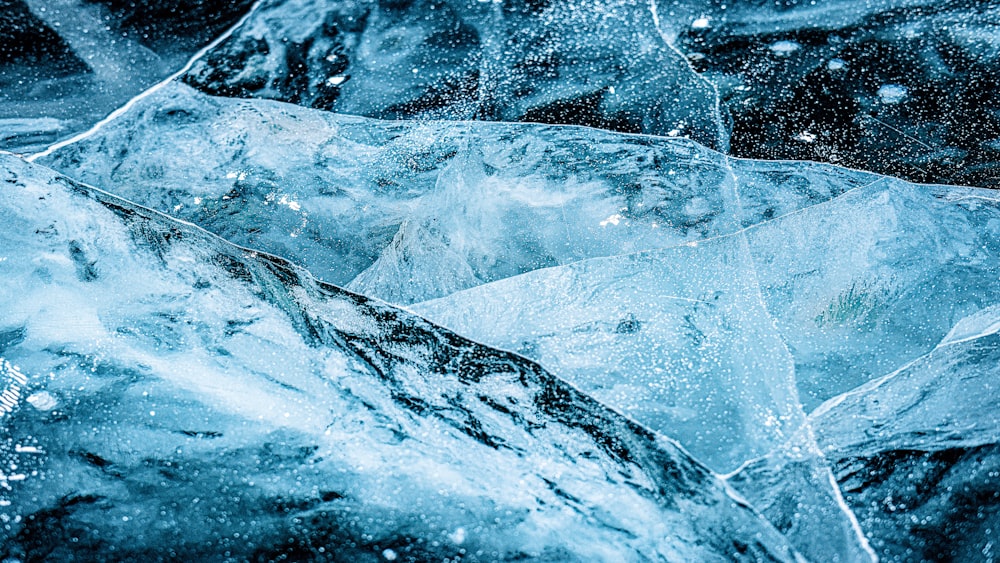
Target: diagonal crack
column 722, row 134
column 752, row 280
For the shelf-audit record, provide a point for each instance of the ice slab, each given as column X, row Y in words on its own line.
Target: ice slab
column 166, row 392
column 916, row 450
column 675, row 338
column 869, row 281
column 361, row 201
column 601, row 63
column 790, row 80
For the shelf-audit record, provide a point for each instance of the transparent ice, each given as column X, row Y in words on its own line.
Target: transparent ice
column 490, row 280
column 230, row 406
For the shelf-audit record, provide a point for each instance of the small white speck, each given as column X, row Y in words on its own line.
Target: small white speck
column 612, row 220
column 702, row 23
column 389, row 555
column 42, row 400
column 784, row 48
column 338, row 80
column 892, row 93
column 805, row 137
column 836, row 64
column 293, row 205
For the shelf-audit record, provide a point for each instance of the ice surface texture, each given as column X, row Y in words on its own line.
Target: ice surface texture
column 902, row 87
column 766, row 281
column 225, row 404
column 602, row 63
column 821, row 340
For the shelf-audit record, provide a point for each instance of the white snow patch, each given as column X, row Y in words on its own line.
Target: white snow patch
column 43, row 401
column 612, row 220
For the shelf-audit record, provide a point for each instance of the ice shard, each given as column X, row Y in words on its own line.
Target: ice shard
column 864, row 283
column 361, row 201
column 664, row 336
column 170, row 395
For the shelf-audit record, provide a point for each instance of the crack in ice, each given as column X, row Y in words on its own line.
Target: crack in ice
column 722, row 135
column 806, row 425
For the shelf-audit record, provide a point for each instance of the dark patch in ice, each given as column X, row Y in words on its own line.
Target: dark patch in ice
column 168, row 25
column 926, row 505
column 25, row 40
